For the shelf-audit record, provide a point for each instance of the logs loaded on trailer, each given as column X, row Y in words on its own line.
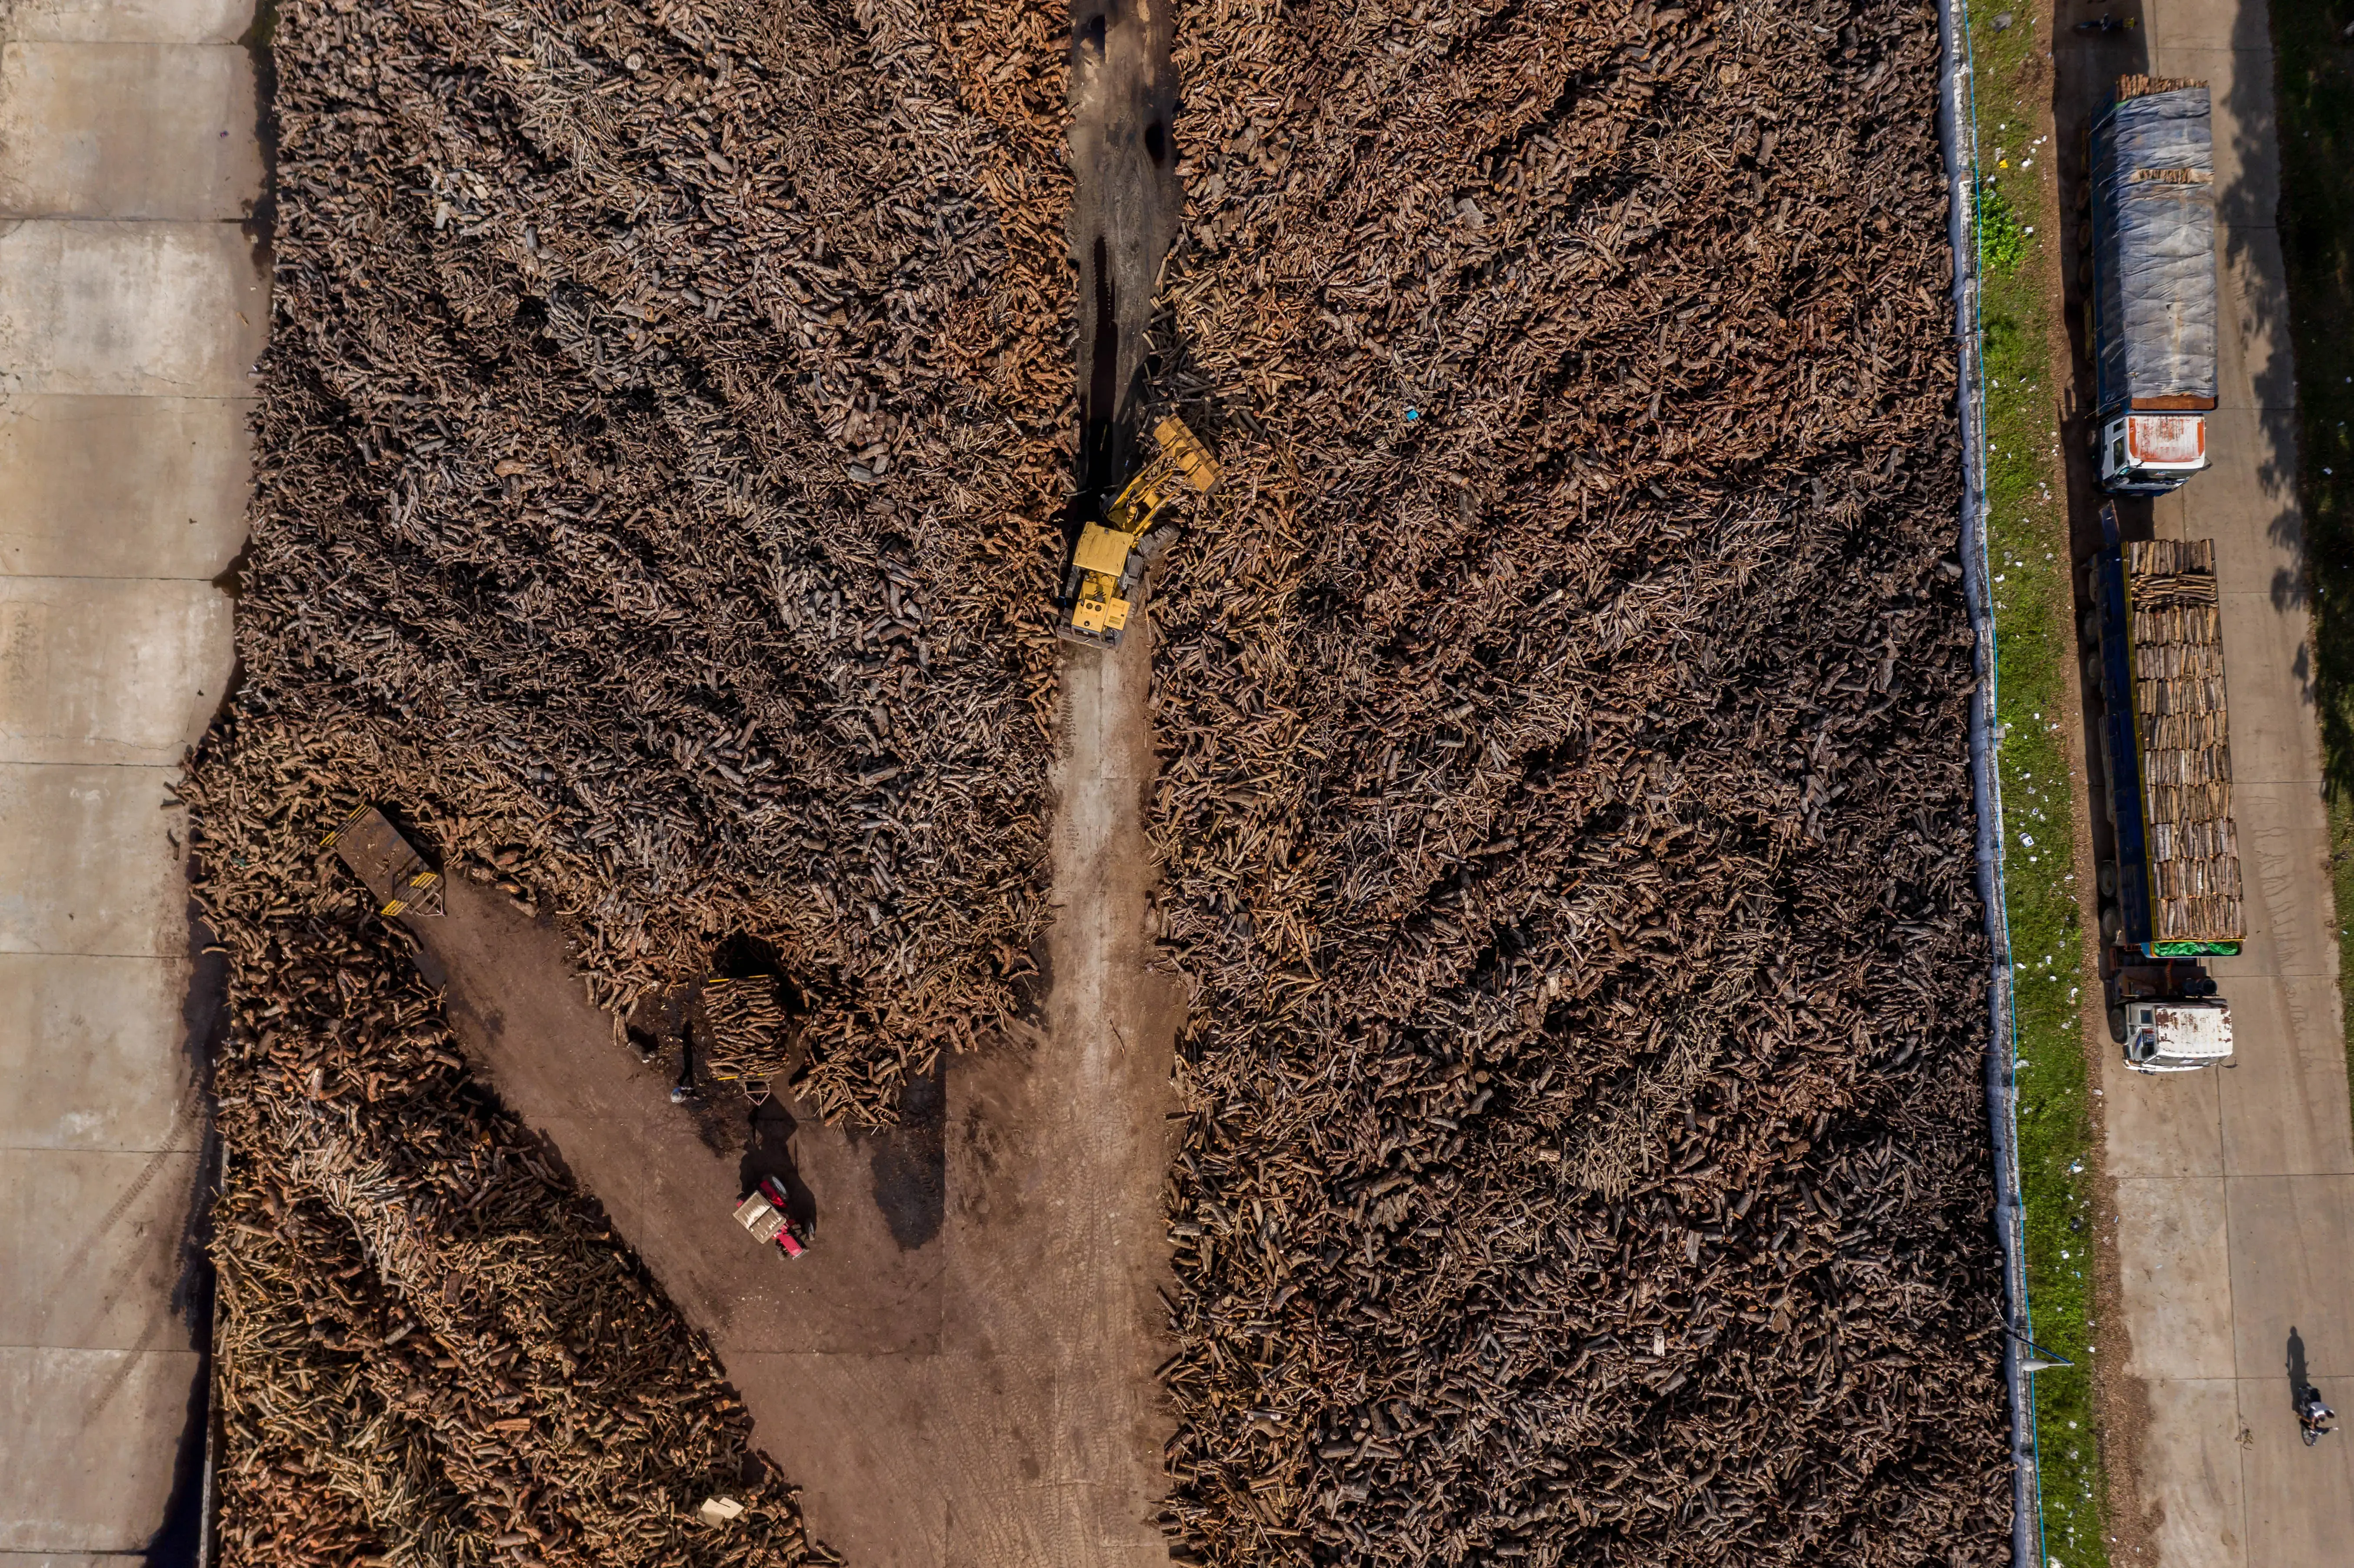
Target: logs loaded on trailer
column 2170, row 890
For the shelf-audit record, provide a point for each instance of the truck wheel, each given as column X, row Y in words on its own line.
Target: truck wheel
column 2093, row 671
column 2113, row 925
column 2088, row 629
column 2106, row 879
column 2084, row 236
column 2117, row 1024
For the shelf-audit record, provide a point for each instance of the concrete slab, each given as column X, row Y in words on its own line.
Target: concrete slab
column 61, row 1289
column 2271, row 741
column 90, row 1053
column 2255, row 364
column 2174, row 1253
column 2162, row 1125
column 90, row 861
column 2284, row 878
column 132, row 308
column 2193, row 1435
column 2300, row 1501
column 122, row 487
column 169, row 309
column 2291, row 1267
column 127, row 131
column 129, row 21
column 2171, row 26
column 110, row 669
column 2284, row 1104
column 72, row 1418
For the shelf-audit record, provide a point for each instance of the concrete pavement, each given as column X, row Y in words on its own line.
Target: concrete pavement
column 2235, row 1189
column 131, row 307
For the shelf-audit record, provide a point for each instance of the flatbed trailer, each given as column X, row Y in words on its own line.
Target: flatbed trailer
column 2170, row 895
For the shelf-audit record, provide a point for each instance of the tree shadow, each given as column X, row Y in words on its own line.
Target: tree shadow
column 2303, row 110
column 909, row 1162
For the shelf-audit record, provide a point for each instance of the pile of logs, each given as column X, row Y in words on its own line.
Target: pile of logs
column 1564, row 800
column 647, row 452
column 1565, row 809
column 747, row 1035
column 659, row 467
column 430, row 1347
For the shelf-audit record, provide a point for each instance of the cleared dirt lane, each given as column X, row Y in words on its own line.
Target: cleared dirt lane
column 960, row 1370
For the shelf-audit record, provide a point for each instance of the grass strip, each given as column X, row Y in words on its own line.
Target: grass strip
column 2314, row 58
column 2025, row 364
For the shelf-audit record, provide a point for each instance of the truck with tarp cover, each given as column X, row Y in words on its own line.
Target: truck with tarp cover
column 2170, row 892
column 2150, row 168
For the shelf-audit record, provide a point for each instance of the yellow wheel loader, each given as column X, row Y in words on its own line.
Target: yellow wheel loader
column 1106, row 582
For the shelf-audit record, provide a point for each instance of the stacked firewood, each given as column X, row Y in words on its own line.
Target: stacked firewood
column 746, row 1034
column 659, row 464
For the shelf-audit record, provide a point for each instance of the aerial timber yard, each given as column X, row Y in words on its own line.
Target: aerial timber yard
column 974, row 784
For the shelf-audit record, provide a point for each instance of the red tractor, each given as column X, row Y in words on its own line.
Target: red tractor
column 764, row 1213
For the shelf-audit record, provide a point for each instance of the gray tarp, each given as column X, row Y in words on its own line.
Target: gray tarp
column 2154, row 243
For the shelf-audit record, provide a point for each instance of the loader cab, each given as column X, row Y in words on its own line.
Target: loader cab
column 2179, row 1036
column 2149, row 454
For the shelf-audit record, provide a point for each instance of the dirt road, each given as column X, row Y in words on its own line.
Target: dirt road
column 2234, row 1190
column 960, row 1370
column 1124, row 207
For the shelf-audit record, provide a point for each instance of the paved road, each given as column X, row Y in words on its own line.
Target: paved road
column 960, row 1370
column 130, row 309
column 2235, row 1189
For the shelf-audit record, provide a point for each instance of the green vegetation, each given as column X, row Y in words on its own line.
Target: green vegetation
column 2002, row 239
column 2316, row 62
column 2025, row 364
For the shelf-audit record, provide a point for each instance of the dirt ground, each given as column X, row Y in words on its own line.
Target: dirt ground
column 960, row 1369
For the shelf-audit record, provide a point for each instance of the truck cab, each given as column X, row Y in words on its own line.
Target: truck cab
column 2177, row 1035
column 2149, row 454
